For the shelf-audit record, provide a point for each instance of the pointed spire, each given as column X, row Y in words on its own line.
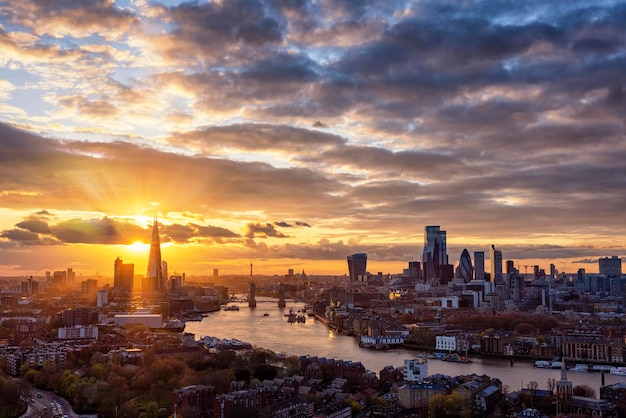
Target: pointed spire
column 154, row 260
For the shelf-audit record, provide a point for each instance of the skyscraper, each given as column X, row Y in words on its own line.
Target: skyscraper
column 466, row 271
column 611, row 267
column 357, row 266
column 435, row 251
column 496, row 262
column 123, row 275
column 479, row 265
column 155, row 275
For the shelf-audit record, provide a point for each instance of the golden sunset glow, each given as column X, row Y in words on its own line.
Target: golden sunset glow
column 139, row 247
column 304, row 132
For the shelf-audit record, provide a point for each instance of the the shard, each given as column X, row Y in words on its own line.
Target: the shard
column 154, row 277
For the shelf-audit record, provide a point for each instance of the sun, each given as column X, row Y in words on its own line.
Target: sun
column 138, row 247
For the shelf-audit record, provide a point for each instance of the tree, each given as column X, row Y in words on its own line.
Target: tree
column 446, row 405
column 355, row 408
column 551, row 384
column 584, row 390
column 532, row 387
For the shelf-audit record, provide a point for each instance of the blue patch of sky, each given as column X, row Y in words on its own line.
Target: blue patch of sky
column 170, row 3
column 128, row 76
column 24, row 96
column 17, row 76
column 30, row 100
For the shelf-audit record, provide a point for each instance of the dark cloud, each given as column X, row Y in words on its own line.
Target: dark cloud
column 259, row 137
column 21, row 235
column 215, row 232
column 303, row 224
column 263, row 230
column 283, row 224
column 98, row 231
column 36, row 226
column 189, row 232
column 210, row 29
column 282, row 68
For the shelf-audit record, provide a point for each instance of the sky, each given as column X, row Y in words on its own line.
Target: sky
column 292, row 133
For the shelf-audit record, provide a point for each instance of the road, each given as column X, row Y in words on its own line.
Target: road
column 42, row 404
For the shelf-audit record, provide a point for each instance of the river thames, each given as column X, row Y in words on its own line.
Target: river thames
column 313, row 338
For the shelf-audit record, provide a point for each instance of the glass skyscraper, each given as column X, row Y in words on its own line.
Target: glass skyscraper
column 357, row 266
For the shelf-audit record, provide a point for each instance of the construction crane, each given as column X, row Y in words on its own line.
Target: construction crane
column 525, row 269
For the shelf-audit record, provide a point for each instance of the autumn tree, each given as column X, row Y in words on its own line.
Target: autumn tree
column 442, row 406
column 584, row 390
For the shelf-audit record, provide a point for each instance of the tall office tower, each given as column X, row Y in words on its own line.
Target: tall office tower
column 155, row 274
column 496, row 262
column 357, row 266
column 59, row 278
column 435, row 250
column 552, row 270
column 71, row 277
column 434, row 235
column 103, row 298
column 610, row 267
column 123, row 275
column 479, row 265
column 164, row 273
column 510, row 267
column 466, row 271
column 415, row 270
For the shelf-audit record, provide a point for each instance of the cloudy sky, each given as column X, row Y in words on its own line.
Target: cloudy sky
column 291, row 133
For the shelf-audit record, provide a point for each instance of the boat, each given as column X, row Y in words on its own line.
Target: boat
column 172, row 325
column 232, row 308
column 224, row 343
column 542, row 364
column 580, row 368
column 556, row 364
column 601, row 368
column 266, row 314
column 455, row 358
column 193, row 317
column 619, row 371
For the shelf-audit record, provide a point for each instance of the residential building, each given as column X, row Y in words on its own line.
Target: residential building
column 610, row 267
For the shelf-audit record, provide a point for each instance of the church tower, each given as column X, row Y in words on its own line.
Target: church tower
column 154, row 277
column 564, row 391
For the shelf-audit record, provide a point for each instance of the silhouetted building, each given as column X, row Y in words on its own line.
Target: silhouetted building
column 415, row 270
column 123, row 276
column 154, row 277
column 510, row 267
column 59, row 278
column 435, row 251
column 479, row 265
column 30, row 287
column 446, row 273
column 466, row 270
column 89, row 287
column 194, row 401
column 610, row 267
column 357, row 266
column 496, row 261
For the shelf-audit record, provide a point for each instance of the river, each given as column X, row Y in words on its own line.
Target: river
column 313, row 338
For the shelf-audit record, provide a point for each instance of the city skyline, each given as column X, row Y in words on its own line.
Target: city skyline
column 294, row 134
